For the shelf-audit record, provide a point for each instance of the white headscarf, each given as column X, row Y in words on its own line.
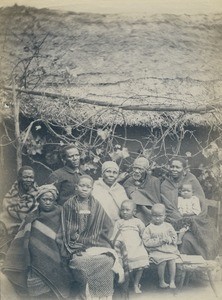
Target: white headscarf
column 109, row 165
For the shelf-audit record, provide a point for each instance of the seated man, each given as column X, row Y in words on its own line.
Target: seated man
column 17, row 203
column 143, row 189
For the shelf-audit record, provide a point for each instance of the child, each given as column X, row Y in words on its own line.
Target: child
column 188, row 205
column 160, row 240
column 130, row 230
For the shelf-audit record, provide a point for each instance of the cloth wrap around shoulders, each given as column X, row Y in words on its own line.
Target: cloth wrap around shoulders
column 35, row 249
column 202, row 238
column 144, row 195
column 92, row 270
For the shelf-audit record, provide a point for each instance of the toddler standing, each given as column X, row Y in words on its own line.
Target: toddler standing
column 160, row 240
column 130, row 229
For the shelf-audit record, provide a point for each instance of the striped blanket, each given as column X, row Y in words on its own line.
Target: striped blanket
column 35, row 249
column 96, row 271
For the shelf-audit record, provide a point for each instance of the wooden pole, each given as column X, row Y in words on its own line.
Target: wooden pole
column 17, row 127
column 200, row 109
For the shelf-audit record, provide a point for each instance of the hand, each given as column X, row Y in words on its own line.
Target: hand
column 122, row 176
column 167, row 240
column 121, row 277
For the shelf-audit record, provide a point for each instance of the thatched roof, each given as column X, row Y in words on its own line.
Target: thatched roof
column 163, row 60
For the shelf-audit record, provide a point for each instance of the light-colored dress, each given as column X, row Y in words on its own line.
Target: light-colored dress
column 155, row 239
column 189, row 206
column 130, row 231
column 110, row 198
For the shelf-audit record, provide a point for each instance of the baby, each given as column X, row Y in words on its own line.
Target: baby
column 130, row 229
column 160, row 240
column 188, row 205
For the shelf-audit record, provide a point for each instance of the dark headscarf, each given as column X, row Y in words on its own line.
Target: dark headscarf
column 47, row 188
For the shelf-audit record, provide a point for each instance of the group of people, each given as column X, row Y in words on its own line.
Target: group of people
column 74, row 237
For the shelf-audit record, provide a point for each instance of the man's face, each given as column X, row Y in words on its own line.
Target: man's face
column 27, row 179
column 139, row 173
column 72, row 158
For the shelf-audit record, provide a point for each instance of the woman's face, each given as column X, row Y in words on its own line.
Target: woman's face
column 27, row 179
column 110, row 176
column 176, row 169
column 46, row 202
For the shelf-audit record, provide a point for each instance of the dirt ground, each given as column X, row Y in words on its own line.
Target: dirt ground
column 198, row 288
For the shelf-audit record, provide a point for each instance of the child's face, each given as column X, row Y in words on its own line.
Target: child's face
column 158, row 217
column 84, row 187
column 186, row 191
column 46, row 202
column 127, row 211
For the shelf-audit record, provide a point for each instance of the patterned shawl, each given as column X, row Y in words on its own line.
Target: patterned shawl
column 97, row 231
column 16, row 206
column 35, row 248
column 201, row 226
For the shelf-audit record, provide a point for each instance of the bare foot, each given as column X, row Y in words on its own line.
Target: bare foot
column 164, row 285
column 172, row 285
column 137, row 289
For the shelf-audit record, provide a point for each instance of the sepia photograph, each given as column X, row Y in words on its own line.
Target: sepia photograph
column 110, row 149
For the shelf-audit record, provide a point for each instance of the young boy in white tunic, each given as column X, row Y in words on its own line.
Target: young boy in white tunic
column 130, row 230
column 160, row 239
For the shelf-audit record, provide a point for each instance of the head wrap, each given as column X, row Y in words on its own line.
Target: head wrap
column 109, row 165
column 24, row 168
column 141, row 162
column 45, row 189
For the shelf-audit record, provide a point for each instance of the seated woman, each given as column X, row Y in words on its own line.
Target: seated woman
column 201, row 238
column 18, row 202
column 108, row 191
column 84, row 240
column 143, row 189
column 33, row 263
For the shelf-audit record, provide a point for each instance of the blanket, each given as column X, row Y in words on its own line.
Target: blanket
column 201, row 226
column 16, row 206
column 144, row 196
column 96, row 234
column 35, row 248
